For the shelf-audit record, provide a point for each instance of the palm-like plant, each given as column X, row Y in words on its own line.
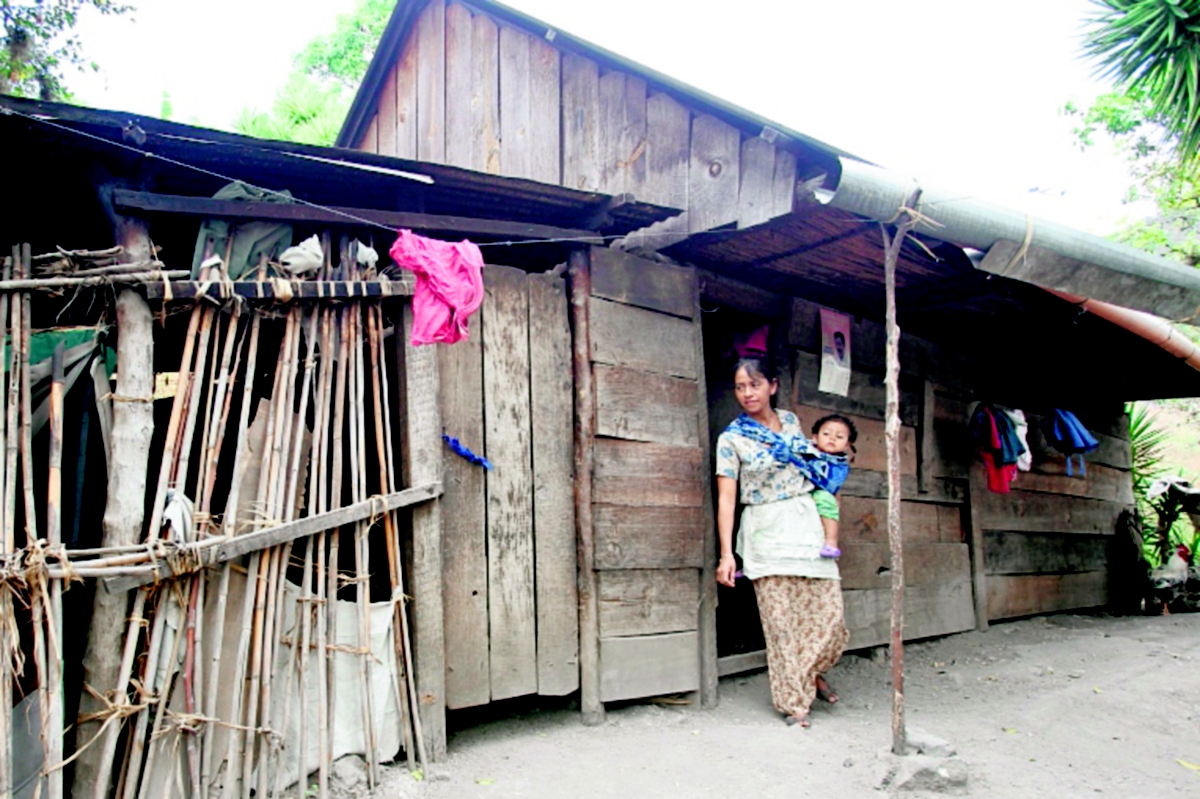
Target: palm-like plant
column 1153, row 47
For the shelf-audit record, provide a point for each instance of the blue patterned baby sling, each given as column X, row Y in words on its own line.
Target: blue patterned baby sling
column 826, row 470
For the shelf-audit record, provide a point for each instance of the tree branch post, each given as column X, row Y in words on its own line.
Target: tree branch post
column 893, row 243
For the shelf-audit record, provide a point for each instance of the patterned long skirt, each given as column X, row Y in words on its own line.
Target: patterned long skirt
column 804, row 623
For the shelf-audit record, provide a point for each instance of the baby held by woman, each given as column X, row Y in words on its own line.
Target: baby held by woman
column 834, row 435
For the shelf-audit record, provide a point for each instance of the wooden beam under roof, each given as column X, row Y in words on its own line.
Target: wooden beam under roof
column 147, row 202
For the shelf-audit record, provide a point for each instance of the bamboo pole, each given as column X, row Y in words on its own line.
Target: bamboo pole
column 40, row 283
column 31, row 526
column 53, row 711
column 892, row 246
column 387, row 482
column 228, row 525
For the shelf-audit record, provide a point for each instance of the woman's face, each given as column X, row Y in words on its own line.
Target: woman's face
column 753, row 391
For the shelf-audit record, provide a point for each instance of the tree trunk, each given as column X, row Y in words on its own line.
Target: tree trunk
column 133, row 427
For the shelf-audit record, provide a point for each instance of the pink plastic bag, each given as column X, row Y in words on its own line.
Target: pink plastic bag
column 449, row 285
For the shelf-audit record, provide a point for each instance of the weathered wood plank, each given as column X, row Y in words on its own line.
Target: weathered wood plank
column 386, row 117
column 622, row 134
column 1037, row 553
column 927, row 445
column 713, row 174
column 461, row 96
column 742, row 663
column 756, row 194
column 1025, row 595
column 485, row 95
column 864, row 521
column 464, row 528
column 580, row 123
column 640, row 406
column 421, row 461
column 871, row 453
column 1101, row 482
column 709, row 672
column 431, row 83
column 936, row 609
column 555, row 557
column 950, row 526
column 873, row 485
column 512, row 622
column 370, row 140
column 652, row 665
column 868, row 566
column 668, row 153
column 545, row 130
column 973, row 524
column 579, row 286
column 785, row 182
column 720, row 290
column 626, row 336
column 406, row 97
column 1032, row 512
column 866, row 396
column 648, row 601
column 637, row 281
column 516, row 143
column 648, row 537
column 635, row 474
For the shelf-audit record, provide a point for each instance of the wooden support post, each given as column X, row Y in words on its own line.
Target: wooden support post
column 973, row 516
column 124, row 515
column 892, row 247
column 708, row 571
column 421, row 462
column 579, row 270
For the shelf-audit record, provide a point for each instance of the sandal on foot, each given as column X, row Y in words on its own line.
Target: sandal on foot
column 825, row 691
column 830, row 552
column 792, row 721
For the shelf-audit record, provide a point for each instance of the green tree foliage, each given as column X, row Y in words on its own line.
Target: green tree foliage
column 344, row 55
column 1152, row 49
column 311, row 106
column 1158, row 174
column 40, row 43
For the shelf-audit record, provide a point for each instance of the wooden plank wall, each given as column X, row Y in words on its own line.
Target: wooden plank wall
column 473, row 92
column 508, row 534
column 651, row 505
column 1045, row 544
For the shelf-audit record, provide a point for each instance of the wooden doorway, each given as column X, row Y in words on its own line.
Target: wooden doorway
column 508, row 535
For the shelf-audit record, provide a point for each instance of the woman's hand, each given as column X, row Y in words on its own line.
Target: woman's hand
column 725, row 570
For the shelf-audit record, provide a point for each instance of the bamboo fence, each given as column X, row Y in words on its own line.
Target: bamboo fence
column 251, row 594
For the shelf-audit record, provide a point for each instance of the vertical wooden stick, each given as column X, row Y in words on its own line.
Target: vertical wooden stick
column 892, row 247
column 6, row 545
column 31, row 526
column 585, row 424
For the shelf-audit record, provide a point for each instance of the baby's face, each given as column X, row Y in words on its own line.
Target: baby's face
column 833, row 437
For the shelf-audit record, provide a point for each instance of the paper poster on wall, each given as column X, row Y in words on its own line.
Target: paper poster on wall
column 835, row 353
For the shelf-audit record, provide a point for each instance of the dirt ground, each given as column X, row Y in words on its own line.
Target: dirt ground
column 1065, row 705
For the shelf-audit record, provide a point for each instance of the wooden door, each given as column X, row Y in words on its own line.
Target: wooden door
column 650, row 488
column 508, row 535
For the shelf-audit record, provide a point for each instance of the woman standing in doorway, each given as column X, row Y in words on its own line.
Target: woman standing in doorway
column 780, row 538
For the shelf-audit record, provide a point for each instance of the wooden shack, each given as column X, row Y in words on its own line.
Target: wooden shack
column 481, row 86
column 632, row 228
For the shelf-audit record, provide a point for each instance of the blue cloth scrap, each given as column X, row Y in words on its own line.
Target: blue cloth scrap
column 462, row 451
column 826, row 470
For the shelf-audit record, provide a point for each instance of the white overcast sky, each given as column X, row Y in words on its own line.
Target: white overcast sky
column 964, row 94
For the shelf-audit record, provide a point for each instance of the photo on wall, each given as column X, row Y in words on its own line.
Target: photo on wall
column 835, row 353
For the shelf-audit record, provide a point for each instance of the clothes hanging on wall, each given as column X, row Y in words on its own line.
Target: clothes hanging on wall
column 1067, row 434
column 1025, row 459
column 752, row 344
column 449, row 285
column 1000, row 447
